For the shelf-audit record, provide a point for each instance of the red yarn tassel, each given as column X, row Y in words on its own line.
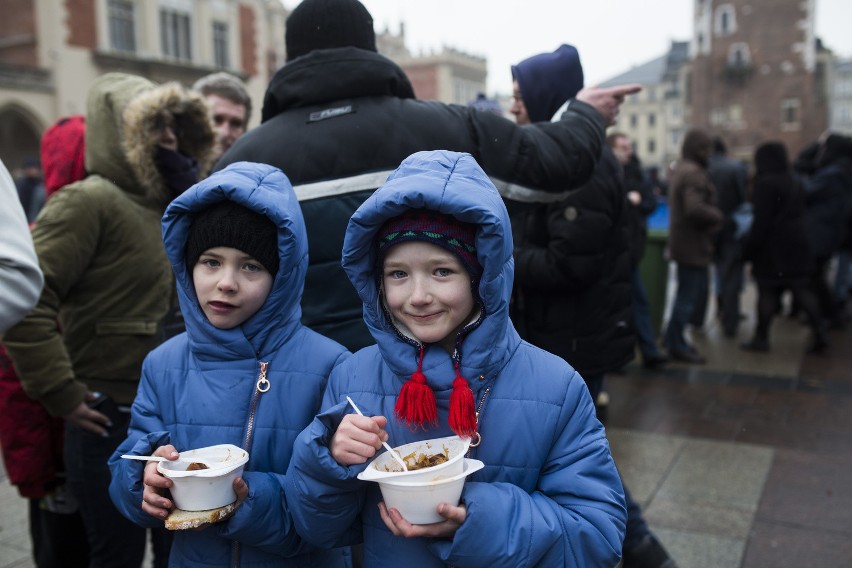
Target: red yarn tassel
column 416, row 401
column 462, row 410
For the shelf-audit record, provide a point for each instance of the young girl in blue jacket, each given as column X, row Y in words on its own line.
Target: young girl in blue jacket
column 246, row 372
column 430, row 254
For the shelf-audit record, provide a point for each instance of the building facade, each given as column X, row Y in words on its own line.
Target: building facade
column 840, row 97
column 52, row 50
column 757, row 73
column 447, row 75
column 654, row 118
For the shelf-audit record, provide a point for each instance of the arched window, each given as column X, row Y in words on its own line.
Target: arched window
column 725, row 21
column 739, row 55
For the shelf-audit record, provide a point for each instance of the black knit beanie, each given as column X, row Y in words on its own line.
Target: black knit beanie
column 228, row 224
column 323, row 24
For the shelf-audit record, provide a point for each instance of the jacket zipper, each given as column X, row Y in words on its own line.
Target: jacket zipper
column 478, row 413
column 260, row 387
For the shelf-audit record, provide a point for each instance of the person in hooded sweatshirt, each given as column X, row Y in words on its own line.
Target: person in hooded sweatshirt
column 246, row 372
column 572, row 266
column 430, row 254
column 109, row 284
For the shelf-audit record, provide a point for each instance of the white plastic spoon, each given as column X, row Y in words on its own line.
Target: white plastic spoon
column 393, row 454
column 162, row 459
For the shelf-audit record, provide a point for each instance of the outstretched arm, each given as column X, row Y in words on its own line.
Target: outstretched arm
column 608, row 100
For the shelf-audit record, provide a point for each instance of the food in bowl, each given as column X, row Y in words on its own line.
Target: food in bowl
column 195, row 466
column 385, row 466
column 415, row 461
column 208, row 488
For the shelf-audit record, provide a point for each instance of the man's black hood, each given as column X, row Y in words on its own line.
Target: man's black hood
column 337, row 73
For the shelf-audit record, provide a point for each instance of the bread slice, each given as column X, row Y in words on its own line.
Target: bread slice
column 180, row 520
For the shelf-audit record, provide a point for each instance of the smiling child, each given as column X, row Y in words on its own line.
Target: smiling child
column 430, row 254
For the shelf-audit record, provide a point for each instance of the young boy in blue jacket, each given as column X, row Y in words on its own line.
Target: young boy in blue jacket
column 430, row 254
column 245, row 372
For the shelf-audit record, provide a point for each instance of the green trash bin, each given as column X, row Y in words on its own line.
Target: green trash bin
column 654, row 271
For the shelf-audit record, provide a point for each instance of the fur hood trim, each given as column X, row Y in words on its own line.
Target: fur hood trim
column 140, row 135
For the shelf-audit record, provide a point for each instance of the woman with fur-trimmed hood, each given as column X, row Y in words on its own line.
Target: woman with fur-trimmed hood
column 109, row 283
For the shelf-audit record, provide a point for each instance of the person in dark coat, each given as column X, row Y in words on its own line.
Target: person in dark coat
column 695, row 219
column 572, row 261
column 828, row 201
column 641, row 202
column 573, row 266
column 729, row 178
column 339, row 117
column 777, row 246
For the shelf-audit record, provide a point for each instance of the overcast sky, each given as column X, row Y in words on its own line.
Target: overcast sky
column 611, row 35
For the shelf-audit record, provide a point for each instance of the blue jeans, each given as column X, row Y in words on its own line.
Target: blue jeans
column 114, row 541
column 691, row 287
column 642, row 318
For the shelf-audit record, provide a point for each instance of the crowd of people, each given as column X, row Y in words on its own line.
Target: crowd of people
column 187, row 282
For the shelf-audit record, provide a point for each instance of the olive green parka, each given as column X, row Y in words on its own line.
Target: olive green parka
column 108, row 282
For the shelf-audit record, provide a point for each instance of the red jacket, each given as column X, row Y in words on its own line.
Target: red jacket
column 30, row 438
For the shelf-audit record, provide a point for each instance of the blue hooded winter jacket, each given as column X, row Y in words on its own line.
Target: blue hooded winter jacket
column 549, row 494
column 198, row 388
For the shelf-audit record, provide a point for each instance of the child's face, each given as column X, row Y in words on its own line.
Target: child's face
column 427, row 289
column 231, row 286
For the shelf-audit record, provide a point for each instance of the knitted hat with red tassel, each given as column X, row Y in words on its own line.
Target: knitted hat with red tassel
column 416, row 402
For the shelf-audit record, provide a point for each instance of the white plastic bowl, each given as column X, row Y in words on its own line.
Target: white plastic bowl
column 384, row 467
column 204, row 489
column 417, row 501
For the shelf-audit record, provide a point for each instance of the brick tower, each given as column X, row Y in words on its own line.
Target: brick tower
column 756, row 73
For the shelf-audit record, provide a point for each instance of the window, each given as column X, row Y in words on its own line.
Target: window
column 675, row 135
column 652, row 94
column 175, row 34
column 122, row 28
column 726, row 21
column 843, row 113
column 739, row 55
column 718, row 116
column 634, row 121
column 843, row 86
column 674, row 111
column 652, row 119
column 790, row 113
column 652, row 146
column 220, row 44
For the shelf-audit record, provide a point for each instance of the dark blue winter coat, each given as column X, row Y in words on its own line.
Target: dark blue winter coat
column 549, row 494
column 197, row 389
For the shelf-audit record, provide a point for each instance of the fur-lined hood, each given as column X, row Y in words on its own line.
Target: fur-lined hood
column 121, row 113
column 141, row 133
